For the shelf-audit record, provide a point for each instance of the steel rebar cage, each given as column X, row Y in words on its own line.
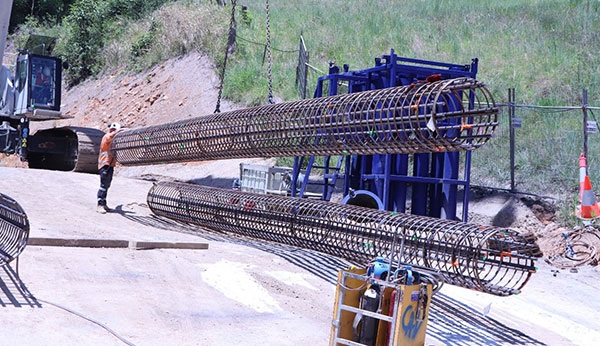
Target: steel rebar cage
column 14, row 229
column 429, row 117
column 494, row 260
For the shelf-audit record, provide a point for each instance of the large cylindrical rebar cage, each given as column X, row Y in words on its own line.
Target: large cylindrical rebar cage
column 493, row 260
column 14, row 229
column 449, row 115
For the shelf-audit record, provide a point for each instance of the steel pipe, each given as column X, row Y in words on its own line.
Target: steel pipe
column 494, row 260
column 449, row 115
column 14, row 229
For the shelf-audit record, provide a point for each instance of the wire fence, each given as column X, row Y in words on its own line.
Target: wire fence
column 302, row 69
column 536, row 150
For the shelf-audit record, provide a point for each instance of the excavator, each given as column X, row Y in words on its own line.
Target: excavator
column 33, row 94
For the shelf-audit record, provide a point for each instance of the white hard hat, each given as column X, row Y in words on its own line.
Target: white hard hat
column 115, row 126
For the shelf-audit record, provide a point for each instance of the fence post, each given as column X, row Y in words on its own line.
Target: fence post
column 585, row 119
column 511, row 118
column 302, row 69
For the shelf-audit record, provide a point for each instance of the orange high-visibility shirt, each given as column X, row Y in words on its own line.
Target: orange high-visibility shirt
column 106, row 156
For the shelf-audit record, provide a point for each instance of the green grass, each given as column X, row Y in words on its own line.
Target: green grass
column 173, row 30
column 544, row 49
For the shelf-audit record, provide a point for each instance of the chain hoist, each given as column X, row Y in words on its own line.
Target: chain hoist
column 268, row 48
column 224, row 67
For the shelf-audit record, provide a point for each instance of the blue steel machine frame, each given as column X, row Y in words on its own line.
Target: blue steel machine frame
column 384, row 181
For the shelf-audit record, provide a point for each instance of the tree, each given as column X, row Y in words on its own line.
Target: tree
column 86, row 28
column 44, row 11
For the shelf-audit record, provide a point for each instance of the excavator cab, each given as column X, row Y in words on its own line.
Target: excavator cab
column 32, row 93
column 38, row 80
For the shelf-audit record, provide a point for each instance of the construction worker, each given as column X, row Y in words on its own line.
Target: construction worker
column 106, row 166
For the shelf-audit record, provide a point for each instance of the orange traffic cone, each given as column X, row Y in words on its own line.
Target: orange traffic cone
column 589, row 207
column 582, row 174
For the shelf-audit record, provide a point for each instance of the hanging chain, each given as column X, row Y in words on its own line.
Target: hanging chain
column 268, row 48
column 222, row 77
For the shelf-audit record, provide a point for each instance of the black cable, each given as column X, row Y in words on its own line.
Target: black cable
column 540, row 109
column 264, row 45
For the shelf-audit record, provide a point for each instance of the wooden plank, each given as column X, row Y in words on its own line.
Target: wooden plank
column 78, row 242
column 166, row 245
column 115, row 243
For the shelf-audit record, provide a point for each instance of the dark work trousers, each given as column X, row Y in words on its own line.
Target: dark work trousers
column 106, row 175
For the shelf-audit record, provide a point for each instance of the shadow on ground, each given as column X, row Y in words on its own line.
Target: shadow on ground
column 13, row 292
column 450, row 321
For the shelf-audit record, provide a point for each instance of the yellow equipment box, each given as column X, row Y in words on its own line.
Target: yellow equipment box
column 370, row 311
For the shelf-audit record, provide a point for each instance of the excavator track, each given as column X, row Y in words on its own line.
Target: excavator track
column 88, row 140
column 65, row 149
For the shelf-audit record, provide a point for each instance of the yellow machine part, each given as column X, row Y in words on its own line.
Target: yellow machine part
column 411, row 322
column 409, row 314
column 348, row 292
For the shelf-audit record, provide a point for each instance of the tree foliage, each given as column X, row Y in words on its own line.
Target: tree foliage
column 44, row 11
column 88, row 25
column 82, row 40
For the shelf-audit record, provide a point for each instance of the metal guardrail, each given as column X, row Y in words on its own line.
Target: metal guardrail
column 449, row 115
column 494, row 260
column 14, row 229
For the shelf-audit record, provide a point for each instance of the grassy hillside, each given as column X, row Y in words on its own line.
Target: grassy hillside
column 544, row 49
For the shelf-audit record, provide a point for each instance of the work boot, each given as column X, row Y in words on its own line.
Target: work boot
column 101, row 209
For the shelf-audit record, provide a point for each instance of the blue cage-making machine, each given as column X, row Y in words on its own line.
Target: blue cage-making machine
column 424, row 183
